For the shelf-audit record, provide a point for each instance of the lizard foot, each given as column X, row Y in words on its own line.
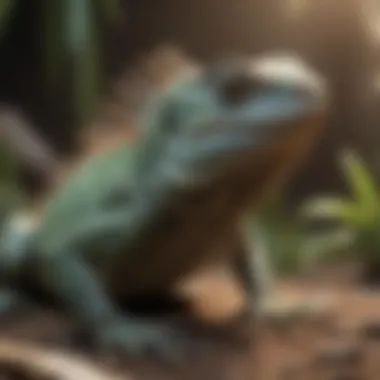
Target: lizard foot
column 140, row 339
column 283, row 311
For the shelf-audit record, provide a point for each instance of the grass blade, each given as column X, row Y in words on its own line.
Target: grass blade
column 333, row 209
column 361, row 183
column 319, row 245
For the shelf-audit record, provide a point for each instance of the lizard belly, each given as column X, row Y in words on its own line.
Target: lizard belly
column 175, row 247
column 166, row 259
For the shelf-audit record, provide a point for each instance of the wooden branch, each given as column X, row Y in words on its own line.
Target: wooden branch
column 42, row 363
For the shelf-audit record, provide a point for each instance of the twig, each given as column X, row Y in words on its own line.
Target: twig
column 20, row 135
column 47, row 363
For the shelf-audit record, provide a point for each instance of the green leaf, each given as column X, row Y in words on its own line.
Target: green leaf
column 321, row 245
column 282, row 236
column 362, row 184
column 332, row 208
column 6, row 9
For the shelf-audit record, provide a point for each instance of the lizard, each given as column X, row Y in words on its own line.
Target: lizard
column 143, row 217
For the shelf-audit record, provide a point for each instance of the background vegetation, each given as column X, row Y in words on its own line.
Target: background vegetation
column 56, row 58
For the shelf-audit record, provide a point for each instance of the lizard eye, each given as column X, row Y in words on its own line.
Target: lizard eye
column 237, row 87
column 233, row 81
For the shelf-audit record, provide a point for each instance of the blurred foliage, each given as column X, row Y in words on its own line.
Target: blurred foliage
column 292, row 247
column 6, row 9
column 71, row 36
column 11, row 195
column 282, row 237
column 357, row 216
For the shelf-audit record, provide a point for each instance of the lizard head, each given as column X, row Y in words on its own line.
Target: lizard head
column 258, row 116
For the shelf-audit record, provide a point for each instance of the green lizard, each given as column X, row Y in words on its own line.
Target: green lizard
column 142, row 217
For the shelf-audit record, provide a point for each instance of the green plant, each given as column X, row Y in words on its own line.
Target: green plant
column 290, row 246
column 281, row 237
column 357, row 216
column 70, row 34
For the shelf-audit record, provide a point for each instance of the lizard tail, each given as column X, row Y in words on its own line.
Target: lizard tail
column 24, row 360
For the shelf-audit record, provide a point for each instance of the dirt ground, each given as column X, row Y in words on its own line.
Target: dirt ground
column 328, row 347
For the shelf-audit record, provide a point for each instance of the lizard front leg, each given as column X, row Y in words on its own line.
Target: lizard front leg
column 252, row 268
column 65, row 272
column 256, row 273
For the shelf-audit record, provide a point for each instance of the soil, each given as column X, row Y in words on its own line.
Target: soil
column 335, row 345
